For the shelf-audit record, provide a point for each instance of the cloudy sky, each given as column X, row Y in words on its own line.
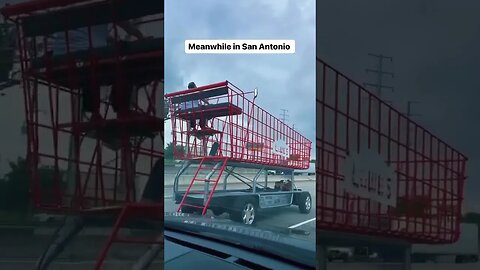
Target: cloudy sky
column 284, row 81
column 436, row 60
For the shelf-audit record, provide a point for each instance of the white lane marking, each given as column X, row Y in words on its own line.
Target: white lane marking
column 168, row 197
column 301, row 223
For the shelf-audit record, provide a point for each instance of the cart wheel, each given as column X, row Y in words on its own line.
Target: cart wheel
column 305, row 203
column 247, row 213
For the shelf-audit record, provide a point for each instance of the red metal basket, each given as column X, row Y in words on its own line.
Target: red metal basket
column 379, row 172
column 95, row 163
column 219, row 120
column 96, row 159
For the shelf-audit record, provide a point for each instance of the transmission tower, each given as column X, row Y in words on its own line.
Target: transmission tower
column 284, row 115
column 379, row 86
column 409, row 108
column 410, row 114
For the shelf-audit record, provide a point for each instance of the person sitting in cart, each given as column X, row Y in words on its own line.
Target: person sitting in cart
column 100, row 37
column 195, row 105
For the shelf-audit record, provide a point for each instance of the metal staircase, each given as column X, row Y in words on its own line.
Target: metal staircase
column 193, row 195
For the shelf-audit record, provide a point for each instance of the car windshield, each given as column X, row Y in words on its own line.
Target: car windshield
column 243, row 155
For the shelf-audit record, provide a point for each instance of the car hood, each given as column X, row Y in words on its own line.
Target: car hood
column 287, row 243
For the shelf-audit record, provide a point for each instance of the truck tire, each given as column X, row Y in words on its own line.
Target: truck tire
column 189, row 210
column 305, row 203
column 245, row 211
column 217, row 211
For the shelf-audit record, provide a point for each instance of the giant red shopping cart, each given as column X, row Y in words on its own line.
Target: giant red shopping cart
column 100, row 149
column 220, row 128
column 379, row 172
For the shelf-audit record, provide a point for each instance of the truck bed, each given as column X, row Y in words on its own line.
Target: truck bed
column 222, row 198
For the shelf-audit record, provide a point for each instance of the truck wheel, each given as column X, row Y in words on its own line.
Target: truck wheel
column 188, row 210
column 246, row 212
column 217, row 211
column 305, row 203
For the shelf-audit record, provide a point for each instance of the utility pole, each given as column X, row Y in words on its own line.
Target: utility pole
column 379, row 86
column 409, row 108
column 409, row 115
column 284, row 115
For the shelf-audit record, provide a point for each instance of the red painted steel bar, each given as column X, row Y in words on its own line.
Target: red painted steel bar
column 198, row 89
column 36, row 5
column 74, row 147
column 70, row 151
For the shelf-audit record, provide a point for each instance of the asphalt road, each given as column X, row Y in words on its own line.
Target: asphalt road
column 285, row 217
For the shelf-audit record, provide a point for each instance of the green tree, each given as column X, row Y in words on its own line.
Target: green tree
column 15, row 196
column 14, row 188
column 471, row 218
column 169, row 151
